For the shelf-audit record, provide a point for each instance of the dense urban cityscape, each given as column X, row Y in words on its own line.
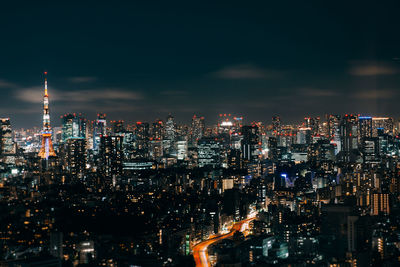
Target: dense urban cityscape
column 199, row 133
column 102, row 192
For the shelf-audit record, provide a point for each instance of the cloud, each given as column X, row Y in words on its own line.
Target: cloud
column 174, row 93
column 375, row 94
column 245, row 71
column 317, row 92
column 82, row 79
column 373, row 69
column 5, row 84
column 34, row 95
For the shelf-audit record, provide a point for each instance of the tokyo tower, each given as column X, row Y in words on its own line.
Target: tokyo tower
column 46, row 149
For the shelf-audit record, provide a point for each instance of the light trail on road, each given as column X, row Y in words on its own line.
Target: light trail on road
column 200, row 251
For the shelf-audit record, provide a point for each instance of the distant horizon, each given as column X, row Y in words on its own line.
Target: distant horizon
column 207, row 123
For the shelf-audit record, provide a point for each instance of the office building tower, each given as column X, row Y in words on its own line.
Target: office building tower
column 142, row 134
column 157, row 130
column 364, row 127
column 349, row 136
column 276, row 125
column 380, row 204
column 182, row 149
column 273, row 148
column 73, row 126
column 169, row 136
column 250, row 144
column 225, row 124
column 155, row 149
column 237, row 124
column 46, row 149
column 99, row 130
column 6, row 143
column 370, row 149
column 209, row 152
column 197, row 129
column 313, row 124
column 76, row 156
column 385, row 124
column 304, row 135
column 333, row 131
column 234, row 159
column 111, row 155
column 117, row 126
column 170, row 129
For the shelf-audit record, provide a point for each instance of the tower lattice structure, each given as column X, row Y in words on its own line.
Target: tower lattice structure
column 46, row 150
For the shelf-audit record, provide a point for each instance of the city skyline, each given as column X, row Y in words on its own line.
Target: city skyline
column 141, row 62
column 217, row 134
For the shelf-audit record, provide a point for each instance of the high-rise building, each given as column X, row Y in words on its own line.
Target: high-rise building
column 349, row 136
column 250, row 143
column 155, row 149
column 76, row 156
column 73, row 126
column 304, row 135
column 169, row 136
column 99, row 130
column 209, row 152
column 142, row 134
column 380, row 204
column 182, row 149
column 170, row 131
column 364, row 128
column 117, row 126
column 197, row 129
column 272, row 148
column 276, row 125
column 111, row 155
column 237, row 124
column 157, row 130
column 370, row 149
column 6, row 143
column 333, row 126
column 46, row 149
column 313, row 124
column 385, row 124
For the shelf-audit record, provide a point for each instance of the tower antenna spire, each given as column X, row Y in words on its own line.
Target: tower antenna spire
column 46, row 149
column 45, row 83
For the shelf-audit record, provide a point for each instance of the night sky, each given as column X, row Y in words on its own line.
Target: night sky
column 144, row 59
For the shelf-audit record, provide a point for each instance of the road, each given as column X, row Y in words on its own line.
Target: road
column 200, row 251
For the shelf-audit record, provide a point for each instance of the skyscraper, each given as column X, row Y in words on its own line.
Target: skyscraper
column 170, row 135
column 76, row 156
column 333, row 126
column 209, row 152
column 111, row 155
column 118, row 126
column 157, row 130
column 250, row 143
column 380, row 204
column 349, row 136
column 142, row 134
column 197, row 130
column 365, row 128
column 46, row 149
column 385, row 124
column 276, row 125
column 6, row 142
column 99, row 130
column 170, row 128
column 73, row 126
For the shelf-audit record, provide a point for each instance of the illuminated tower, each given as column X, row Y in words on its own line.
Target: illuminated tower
column 46, row 149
